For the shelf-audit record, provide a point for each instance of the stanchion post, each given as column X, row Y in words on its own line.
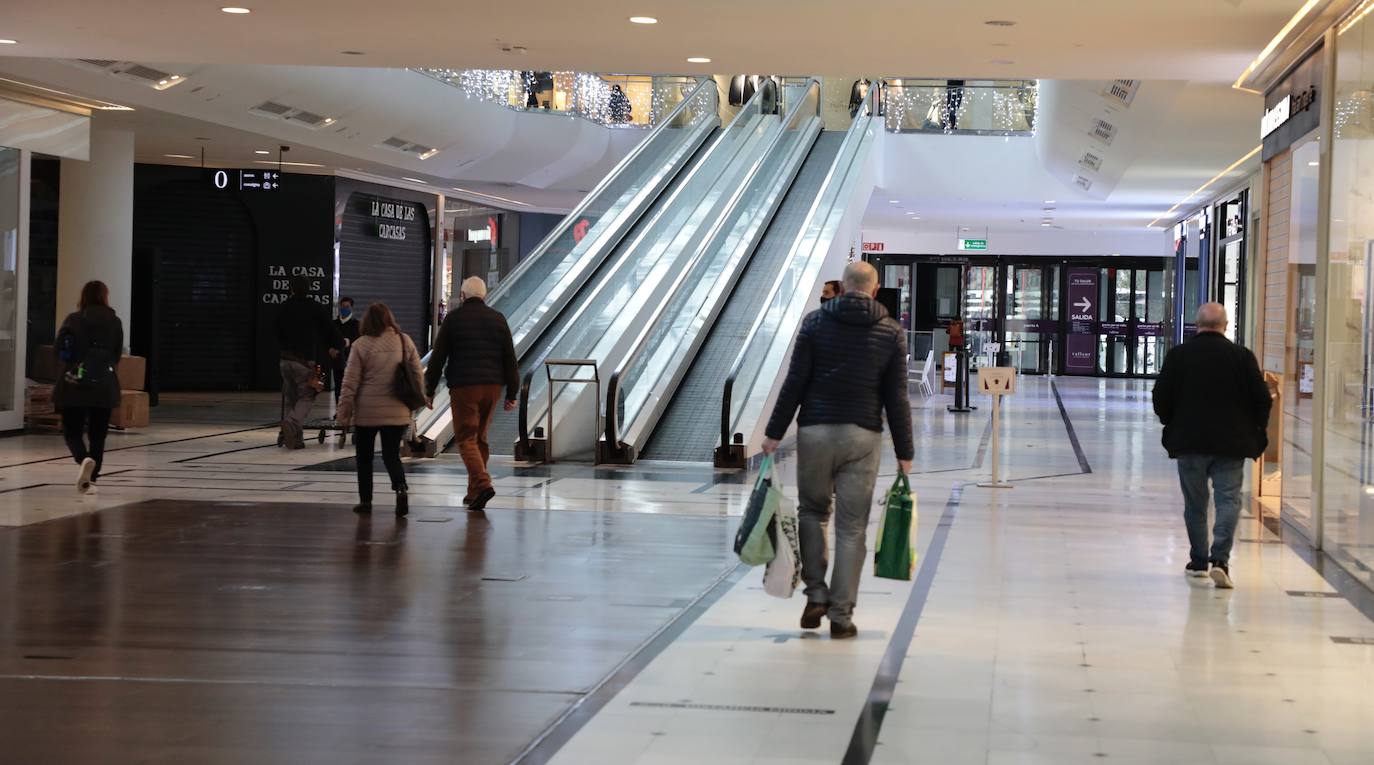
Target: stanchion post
column 997, row 382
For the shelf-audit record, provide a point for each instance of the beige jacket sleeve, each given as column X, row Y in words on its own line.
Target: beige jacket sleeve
column 348, row 391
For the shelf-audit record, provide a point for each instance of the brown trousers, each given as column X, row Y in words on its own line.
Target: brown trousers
column 473, row 406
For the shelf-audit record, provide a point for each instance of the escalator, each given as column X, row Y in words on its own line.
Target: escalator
column 690, row 427
column 705, row 368
column 644, row 274
column 552, row 277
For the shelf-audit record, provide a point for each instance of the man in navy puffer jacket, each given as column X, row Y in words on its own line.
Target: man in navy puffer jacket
column 848, row 366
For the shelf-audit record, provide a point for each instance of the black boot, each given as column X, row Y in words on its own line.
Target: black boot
column 363, row 508
column 402, row 504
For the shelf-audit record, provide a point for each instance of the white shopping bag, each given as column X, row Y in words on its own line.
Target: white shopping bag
column 781, row 576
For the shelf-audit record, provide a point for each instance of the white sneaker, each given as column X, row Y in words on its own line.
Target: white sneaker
column 83, row 480
column 1222, row 578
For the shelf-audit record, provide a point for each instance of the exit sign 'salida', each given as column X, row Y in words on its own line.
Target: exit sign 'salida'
column 973, row 244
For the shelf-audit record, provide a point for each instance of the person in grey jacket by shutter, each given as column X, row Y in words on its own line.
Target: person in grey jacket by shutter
column 848, row 366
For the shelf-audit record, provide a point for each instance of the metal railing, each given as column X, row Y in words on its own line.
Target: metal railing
column 961, row 107
column 615, row 447
column 612, row 100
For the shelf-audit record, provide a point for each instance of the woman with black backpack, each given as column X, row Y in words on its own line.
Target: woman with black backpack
column 382, row 387
column 89, row 345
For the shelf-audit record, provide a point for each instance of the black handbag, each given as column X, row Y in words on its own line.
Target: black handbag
column 407, row 388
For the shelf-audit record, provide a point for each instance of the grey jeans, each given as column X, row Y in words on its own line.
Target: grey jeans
column 297, row 399
column 841, row 460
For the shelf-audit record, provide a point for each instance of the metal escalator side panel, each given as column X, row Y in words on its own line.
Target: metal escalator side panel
column 570, row 253
column 650, row 383
column 770, row 343
column 689, row 425
column 600, row 325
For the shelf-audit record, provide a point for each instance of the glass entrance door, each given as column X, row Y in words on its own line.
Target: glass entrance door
column 1032, row 299
column 1132, row 325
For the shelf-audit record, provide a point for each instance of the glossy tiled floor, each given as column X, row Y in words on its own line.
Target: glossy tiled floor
column 217, row 603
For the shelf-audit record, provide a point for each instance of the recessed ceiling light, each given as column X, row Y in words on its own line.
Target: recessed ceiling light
column 1313, row 164
column 1046, row 225
column 963, row 228
column 643, row 20
column 285, row 164
column 1000, row 23
column 235, row 10
column 698, row 60
column 178, row 156
column 892, row 201
column 1049, row 201
column 412, row 180
column 9, row 42
column 917, row 217
column 261, row 151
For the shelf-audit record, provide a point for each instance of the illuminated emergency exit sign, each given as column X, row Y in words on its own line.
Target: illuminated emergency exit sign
column 973, row 244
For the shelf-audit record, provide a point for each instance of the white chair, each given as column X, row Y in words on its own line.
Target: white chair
column 922, row 379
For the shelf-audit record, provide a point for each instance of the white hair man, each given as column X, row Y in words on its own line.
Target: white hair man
column 848, row 366
column 1214, row 404
column 475, row 356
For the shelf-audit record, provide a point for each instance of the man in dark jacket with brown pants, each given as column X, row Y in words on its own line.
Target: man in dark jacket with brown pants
column 475, row 344
column 1214, row 404
column 848, row 366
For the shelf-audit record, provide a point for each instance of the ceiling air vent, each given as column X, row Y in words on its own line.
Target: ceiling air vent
column 1104, row 131
column 1090, row 161
column 309, row 119
column 1082, row 183
column 1122, row 91
column 291, row 114
column 128, row 70
column 272, row 108
column 410, row 147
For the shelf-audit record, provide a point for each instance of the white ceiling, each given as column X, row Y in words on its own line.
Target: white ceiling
column 1052, row 39
column 1001, row 184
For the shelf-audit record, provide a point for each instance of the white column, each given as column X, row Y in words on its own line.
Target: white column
column 95, row 235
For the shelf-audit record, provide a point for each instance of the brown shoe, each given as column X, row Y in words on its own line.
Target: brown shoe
column 811, row 615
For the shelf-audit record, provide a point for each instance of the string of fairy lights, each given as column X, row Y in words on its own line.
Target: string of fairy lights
column 939, row 107
column 592, row 96
column 1006, row 107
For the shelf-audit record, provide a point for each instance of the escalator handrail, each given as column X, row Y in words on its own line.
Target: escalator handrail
column 525, row 410
column 723, row 144
column 727, row 392
column 613, row 443
column 705, row 83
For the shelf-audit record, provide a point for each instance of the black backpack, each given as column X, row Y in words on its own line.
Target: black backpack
column 90, row 363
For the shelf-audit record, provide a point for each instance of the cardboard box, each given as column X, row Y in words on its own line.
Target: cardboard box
column 132, row 411
column 133, row 373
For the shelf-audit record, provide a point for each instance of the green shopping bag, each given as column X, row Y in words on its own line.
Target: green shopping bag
column 754, row 540
column 894, row 557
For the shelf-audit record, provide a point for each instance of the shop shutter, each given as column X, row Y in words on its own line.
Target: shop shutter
column 204, row 246
column 1275, row 318
column 385, row 257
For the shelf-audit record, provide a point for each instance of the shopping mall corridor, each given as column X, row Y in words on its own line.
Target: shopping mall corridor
column 217, row 602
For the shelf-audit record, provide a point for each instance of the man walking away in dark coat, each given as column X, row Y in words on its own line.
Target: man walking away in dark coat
column 848, row 367
column 303, row 327
column 1214, row 404
column 475, row 345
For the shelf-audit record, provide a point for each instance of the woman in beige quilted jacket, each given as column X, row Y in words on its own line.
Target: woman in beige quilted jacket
column 369, row 401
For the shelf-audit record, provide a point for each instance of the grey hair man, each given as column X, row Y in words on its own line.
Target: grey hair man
column 475, row 356
column 848, row 367
column 1214, row 404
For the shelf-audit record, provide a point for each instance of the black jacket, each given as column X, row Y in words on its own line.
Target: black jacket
column 305, row 332
column 1212, row 399
column 848, row 365
column 475, row 345
column 95, row 326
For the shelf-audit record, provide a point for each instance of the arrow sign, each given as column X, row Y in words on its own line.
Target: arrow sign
column 1083, row 305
